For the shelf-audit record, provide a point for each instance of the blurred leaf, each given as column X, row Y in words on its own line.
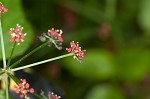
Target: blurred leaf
column 105, row 92
column 87, row 10
column 15, row 16
column 82, row 34
column 2, row 95
column 133, row 63
column 144, row 15
column 97, row 64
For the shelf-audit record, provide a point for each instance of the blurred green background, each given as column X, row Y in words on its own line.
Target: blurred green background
column 114, row 33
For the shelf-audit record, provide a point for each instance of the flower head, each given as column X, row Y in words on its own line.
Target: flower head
column 2, row 8
column 76, row 50
column 51, row 95
column 16, row 34
column 53, row 36
column 23, row 88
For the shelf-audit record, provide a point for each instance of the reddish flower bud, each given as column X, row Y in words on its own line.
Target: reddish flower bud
column 21, row 96
column 31, row 90
column 27, row 85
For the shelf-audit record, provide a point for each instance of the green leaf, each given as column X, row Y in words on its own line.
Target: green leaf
column 133, row 63
column 93, row 13
column 97, row 65
column 2, row 94
column 15, row 16
column 105, row 92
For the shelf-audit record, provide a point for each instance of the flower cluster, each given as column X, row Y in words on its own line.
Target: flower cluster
column 53, row 36
column 51, row 95
column 16, row 34
column 2, row 8
column 23, row 88
column 76, row 50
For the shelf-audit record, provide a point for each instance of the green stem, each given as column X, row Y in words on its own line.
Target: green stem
column 13, row 65
column 7, row 87
column 59, row 48
column 41, row 62
column 2, row 44
column 16, row 80
column 9, row 60
column 38, row 96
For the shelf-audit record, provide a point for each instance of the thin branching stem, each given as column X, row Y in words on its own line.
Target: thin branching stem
column 41, row 62
column 9, row 60
column 20, row 60
column 2, row 44
column 38, row 96
column 7, row 87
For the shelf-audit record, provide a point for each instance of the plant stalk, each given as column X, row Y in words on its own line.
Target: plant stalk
column 34, row 50
column 41, row 62
column 38, row 96
column 2, row 44
column 7, row 87
column 9, row 60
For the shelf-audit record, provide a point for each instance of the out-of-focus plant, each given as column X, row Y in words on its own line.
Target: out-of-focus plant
column 17, row 37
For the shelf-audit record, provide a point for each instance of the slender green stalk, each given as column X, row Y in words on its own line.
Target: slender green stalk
column 59, row 48
column 7, row 87
column 2, row 44
column 16, row 63
column 16, row 80
column 41, row 62
column 9, row 60
column 38, row 96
